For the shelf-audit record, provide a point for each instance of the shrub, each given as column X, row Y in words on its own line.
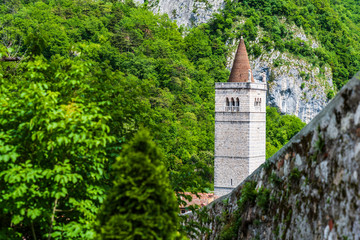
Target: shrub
column 330, row 94
column 141, row 205
column 256, row 50
column 277, row 62
column 263, row 198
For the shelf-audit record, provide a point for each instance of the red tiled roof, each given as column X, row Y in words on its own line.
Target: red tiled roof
column 203, row 199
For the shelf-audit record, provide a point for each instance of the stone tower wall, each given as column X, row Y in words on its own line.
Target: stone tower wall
column 257, row 129
column 239, row 133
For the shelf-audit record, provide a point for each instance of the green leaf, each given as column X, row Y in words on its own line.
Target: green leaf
column 33, row 213
column 16, row 219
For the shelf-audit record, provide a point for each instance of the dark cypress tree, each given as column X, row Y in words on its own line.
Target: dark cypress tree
column 141, row 205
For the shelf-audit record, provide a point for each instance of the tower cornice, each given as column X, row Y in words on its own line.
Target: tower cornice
column 241, row 85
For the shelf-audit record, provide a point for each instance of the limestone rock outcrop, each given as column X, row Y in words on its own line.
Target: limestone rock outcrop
column 295, row 86
column 308, row 190
column 188, row 13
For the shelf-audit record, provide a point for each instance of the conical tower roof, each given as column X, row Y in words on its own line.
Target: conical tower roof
column 241, row 65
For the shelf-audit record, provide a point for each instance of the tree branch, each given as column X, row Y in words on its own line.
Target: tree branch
column 33, row 230
column 52, row 218
column 59, row 210
column 9, row 59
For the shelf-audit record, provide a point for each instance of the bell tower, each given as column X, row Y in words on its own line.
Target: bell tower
column 240, row 125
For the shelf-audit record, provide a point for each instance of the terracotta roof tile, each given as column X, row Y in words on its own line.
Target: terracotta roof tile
column 203, row 199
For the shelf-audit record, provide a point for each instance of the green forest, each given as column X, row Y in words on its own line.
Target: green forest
column 91, row 90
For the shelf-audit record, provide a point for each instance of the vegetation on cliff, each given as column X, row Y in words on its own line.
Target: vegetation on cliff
column 332, row 23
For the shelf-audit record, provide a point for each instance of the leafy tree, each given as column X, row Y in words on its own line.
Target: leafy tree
column 250, row 30
column 141, row 205
column 136, row 66
column 52, row 161
column 197, row 45
column 279, row 129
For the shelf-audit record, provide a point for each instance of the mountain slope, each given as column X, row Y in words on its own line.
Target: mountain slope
column 317, row 41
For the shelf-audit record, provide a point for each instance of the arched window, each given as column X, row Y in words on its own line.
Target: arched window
column 237, row 104
column 227, row 107
column 232, row 104
column 257, row 102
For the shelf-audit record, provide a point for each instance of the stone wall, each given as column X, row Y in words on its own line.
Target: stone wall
column 308, row 190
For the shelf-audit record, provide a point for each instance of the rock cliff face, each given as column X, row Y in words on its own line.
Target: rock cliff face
column 308, row 190
column 188, row 13
column 295, row 86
